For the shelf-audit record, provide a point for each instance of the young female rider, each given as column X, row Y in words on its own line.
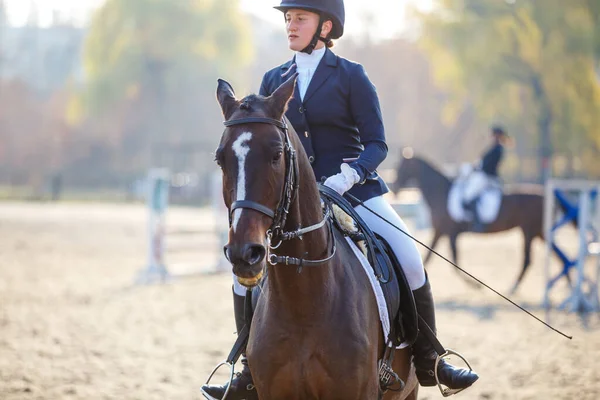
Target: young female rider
column 335, row 111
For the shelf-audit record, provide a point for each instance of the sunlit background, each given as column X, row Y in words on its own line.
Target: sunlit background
column 96, row 92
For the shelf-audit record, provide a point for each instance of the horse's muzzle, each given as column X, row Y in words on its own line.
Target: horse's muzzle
column 248, row 262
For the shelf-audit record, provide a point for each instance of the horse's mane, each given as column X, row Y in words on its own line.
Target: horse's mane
column 430, row 170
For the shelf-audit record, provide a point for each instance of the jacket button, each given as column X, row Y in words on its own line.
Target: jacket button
column 301, row 109
column 305, row 133
column 311, row 159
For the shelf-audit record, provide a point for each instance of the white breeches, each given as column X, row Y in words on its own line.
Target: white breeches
column 475, row 183
column 403, row 247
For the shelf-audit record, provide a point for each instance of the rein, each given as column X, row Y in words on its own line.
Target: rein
column 279, row 216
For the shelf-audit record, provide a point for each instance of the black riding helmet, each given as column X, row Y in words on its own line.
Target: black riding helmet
column 498, row 130
column 327, row 9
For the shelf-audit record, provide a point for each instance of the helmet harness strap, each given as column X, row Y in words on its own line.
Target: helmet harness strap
column 316, row 37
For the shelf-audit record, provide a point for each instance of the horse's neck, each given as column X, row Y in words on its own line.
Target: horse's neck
column 434, row 186
column 297, row 292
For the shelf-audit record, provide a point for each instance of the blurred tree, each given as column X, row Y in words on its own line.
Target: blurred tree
column 526, row 63
column 151, row 67
column 32, row 134
column 410, row 101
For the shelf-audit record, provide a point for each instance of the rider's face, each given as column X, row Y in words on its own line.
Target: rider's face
column 301, row 26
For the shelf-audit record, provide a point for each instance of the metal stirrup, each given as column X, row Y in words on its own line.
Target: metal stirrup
column 238, row 346
column 441, row 354
column 446, row 392
column 231, row 374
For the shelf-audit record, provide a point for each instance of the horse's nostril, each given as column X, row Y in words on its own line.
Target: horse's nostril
column 254, row 253
column 227, row 252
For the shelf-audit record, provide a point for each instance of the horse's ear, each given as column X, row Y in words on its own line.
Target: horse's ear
column 281, row 96
column 226, row 98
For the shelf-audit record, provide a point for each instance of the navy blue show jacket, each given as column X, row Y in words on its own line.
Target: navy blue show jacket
column 491, row 160
column 340, row 118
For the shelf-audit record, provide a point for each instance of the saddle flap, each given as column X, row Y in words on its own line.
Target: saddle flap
column 391, row 292
column 382, row 269
column 406, row 318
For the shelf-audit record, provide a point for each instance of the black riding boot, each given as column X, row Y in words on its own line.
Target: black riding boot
column 242, row 387
column 424, row 354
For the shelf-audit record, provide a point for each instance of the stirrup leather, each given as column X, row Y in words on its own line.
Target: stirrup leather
column 446, row 392
column 238, row 346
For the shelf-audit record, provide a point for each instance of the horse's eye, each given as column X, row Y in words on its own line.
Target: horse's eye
column 277, row 156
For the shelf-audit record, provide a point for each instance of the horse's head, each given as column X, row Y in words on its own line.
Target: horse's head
column 257, row 160
column 408, row 169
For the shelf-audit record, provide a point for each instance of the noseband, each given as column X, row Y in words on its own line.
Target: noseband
column 290, row 190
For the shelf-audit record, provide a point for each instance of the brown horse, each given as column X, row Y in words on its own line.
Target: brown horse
column 518, row 210
column 316, row 332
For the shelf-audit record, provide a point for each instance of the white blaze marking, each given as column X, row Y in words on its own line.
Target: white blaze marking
column 241, row 150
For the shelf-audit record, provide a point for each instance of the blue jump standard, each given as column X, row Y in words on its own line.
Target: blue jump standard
column 571, row 214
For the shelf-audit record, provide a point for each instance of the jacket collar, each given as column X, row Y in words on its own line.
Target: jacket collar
column 324, row 70
column 329, row 58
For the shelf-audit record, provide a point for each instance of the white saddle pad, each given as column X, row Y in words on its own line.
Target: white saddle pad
column 488, row 205
column 381, row 304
